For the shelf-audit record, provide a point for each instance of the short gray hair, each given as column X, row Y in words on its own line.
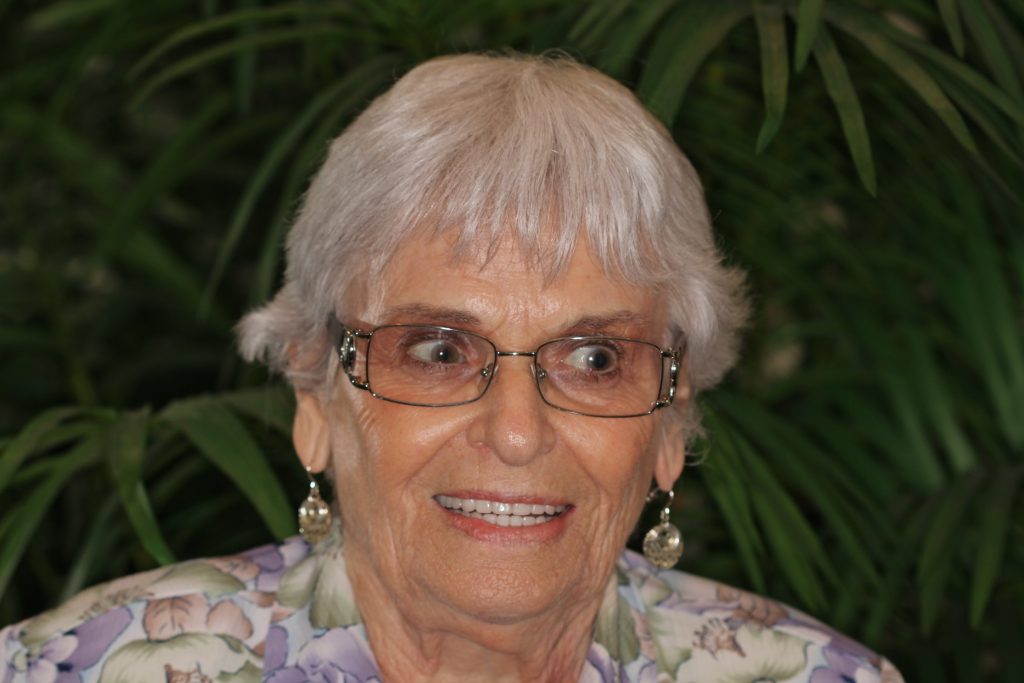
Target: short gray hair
column 484, row 146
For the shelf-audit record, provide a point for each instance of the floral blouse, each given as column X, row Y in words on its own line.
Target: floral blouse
column 286, row 614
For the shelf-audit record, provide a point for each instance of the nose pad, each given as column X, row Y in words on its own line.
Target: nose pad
column 512, row 422
column 490, row 371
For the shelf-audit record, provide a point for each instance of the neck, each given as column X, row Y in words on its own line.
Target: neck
column 416, row 640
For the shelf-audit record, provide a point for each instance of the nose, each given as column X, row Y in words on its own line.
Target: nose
column 513, row 419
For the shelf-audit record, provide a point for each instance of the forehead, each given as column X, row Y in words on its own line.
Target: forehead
column 487, row 289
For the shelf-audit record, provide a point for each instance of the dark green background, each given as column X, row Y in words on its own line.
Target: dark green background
column 862, row 161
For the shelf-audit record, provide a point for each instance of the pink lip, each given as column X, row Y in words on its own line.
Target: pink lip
column 486, row 532
column 506, row 497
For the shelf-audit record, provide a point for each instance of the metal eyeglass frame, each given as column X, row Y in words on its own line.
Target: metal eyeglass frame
column 346, row 349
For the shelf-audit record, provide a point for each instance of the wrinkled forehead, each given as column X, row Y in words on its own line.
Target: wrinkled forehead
column 502, row 282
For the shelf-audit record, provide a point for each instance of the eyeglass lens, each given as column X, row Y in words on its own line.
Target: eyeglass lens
column 434, row 366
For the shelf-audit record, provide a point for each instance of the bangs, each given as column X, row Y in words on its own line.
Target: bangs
column 529, row 157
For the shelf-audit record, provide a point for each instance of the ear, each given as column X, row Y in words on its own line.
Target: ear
column 310, row 433
column 671, row 455
column 672, row 449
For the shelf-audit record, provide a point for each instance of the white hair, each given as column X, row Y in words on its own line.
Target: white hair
column 542, row 149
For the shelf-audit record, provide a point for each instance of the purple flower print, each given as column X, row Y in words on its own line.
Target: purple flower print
column 62, row 658
column 41, row 666
column 338, row 656
column 275, row 650
column 94, row 639
column 8, row 645
column 842, row 668
column 601, row 667
column 271, row 564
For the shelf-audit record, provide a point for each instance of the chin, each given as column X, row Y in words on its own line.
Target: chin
column 509, row 596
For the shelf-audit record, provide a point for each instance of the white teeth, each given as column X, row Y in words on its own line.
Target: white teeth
column 502, row 514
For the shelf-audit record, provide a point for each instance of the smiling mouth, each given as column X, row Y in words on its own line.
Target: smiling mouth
column 500, row 513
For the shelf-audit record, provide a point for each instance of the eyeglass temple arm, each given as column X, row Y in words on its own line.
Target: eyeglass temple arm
column 346, row 348
column 673, row 375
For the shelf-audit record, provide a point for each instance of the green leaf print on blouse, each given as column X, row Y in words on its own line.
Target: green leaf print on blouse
column 183, row 579
column 616, row 625
column 743, row 654
column 191, row 657
column 321, row 579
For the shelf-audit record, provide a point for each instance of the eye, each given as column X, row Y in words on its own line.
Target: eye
column 594, row 359
column 436, row 352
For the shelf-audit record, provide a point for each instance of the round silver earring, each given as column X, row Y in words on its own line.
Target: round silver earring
column 314, row 513
column 663, row 544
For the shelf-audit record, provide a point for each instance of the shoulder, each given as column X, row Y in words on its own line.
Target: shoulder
column 699, row 629
column 186, row 622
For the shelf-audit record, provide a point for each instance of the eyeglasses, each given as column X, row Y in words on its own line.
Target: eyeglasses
column 432, row 366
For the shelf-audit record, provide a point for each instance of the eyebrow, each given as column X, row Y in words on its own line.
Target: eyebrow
column 586, row 324
column 601, row 323
column 432, row 314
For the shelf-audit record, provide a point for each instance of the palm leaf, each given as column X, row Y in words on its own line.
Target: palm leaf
column 593, row 24
column 681, row 47
column 29, row 439
column 617, row 57
column 912, row 73
column 935, row 562
column 951, row 18
column 221, row 22
column 356, row 86
column 162, row 172
column 771, row 31
column 94, row 551
column 225, row 441
column 992, row 49
column 808, row 22
column 851, row 116
column 60, row 14
column 996, row 514
column 229, row 49
column 795, row 457
column 723, row 476
column 17, row 529
column 125, row 447
column 273, row 406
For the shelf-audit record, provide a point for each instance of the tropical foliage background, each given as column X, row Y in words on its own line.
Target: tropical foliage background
column 863, row 160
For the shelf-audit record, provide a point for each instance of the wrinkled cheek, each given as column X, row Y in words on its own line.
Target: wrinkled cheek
column 353, row 440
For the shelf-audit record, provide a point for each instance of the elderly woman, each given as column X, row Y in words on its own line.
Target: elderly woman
column 502, row 296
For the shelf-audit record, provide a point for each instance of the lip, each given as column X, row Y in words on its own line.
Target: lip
column 532, row 499
column 486, row 532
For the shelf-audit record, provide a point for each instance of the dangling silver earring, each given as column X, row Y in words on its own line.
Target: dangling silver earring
column 663, row 544
column 314, row 513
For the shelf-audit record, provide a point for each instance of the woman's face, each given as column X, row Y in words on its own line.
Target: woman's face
column 397, row 467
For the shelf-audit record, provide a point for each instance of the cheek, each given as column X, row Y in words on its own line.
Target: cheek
column 618, row 454
column 380, row 447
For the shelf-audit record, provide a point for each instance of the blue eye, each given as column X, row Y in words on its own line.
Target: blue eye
column 436, row 352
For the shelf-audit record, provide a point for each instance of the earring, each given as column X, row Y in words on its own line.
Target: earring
column 663, row 544
column 314, row 513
